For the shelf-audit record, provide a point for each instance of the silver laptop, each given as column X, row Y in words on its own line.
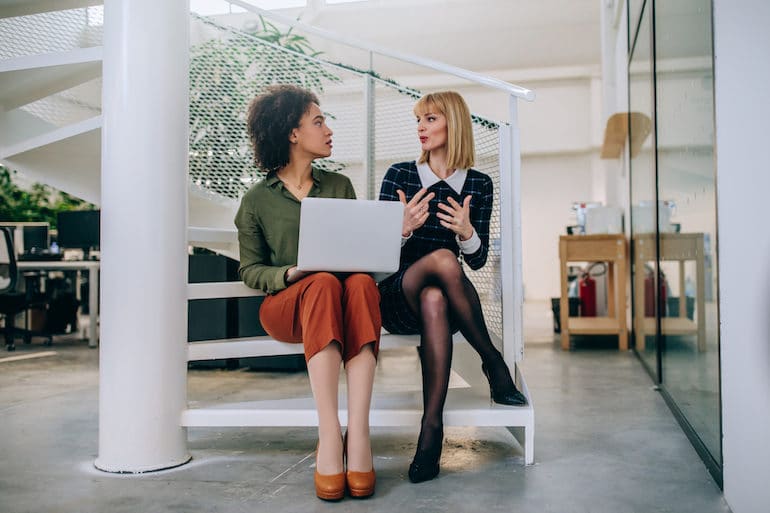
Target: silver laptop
column 349, row 235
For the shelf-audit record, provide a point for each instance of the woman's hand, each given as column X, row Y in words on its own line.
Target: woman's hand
column 457, row 217
column 415, row 211
column 292, row 274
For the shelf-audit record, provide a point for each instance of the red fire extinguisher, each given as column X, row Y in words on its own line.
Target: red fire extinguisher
column 649, row 293
column 587, row 293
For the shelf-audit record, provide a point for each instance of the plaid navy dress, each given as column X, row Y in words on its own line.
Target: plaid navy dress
column 397, row 316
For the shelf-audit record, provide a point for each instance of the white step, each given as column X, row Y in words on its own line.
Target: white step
column 54, row 136
column 12, row 8
column 220, row 289
column 464, row 407
column 469, row 406
column 68, row 159
column 267, row 346
column 26, row 79
column 212, row 211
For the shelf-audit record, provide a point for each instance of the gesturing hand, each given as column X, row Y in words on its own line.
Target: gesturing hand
column 457, row 217
column 415, row 211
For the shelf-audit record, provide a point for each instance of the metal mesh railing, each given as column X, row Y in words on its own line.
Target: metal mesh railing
column 226, row 72
column 50, row 32
column 231, row 67
column 488, row 279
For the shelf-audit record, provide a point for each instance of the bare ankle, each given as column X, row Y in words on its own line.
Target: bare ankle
column 329, row 455
column 359, row 450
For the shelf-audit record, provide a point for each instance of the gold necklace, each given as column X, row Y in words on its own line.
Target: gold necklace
column 298, row 186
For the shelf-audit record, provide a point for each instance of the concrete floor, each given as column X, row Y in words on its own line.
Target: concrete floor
column 604, row 441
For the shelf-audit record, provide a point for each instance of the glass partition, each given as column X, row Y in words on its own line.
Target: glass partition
column 673, row 212
column 635, row 12
column 686, row 188
column 643, row 195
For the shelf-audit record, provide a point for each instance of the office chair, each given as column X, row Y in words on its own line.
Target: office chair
column 12, row 302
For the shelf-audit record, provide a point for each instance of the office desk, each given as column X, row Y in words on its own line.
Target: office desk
column 92, row 266
column 596, row 248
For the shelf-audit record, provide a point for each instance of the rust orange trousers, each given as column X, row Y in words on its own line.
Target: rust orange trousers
column 321, row 308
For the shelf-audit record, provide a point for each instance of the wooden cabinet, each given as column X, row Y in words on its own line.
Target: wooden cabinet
column 596, row 248
column 677, row 247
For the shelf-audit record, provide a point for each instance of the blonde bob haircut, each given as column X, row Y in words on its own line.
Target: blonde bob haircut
column 460, row 147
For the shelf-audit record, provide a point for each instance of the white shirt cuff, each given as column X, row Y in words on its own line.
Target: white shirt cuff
column 404, row 239
column 470, row 246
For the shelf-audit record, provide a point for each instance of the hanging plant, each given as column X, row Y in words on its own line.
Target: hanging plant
column 225, row 74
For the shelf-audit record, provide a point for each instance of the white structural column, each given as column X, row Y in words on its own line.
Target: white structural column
column 143, row 363
column 742, row 112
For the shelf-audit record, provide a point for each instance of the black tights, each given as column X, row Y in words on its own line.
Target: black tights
column 437, row 290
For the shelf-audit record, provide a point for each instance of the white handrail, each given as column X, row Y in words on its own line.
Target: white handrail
column 514, row 90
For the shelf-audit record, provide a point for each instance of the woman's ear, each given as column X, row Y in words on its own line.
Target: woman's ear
column 293, row 136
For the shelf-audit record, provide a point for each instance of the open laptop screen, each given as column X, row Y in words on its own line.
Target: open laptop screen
column 349, row 235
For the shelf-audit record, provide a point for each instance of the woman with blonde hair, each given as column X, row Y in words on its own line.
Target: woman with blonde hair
column 336, row 319
column 447, row 208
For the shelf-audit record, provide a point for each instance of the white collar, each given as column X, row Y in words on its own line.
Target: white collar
column 456, row 180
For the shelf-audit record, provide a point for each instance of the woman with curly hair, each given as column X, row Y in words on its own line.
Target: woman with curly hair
column 336, row 319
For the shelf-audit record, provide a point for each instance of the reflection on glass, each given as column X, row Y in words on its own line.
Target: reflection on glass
column 634, row 14
column 643, row 199
column 686, row 179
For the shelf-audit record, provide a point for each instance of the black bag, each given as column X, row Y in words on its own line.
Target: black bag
column 62, row 313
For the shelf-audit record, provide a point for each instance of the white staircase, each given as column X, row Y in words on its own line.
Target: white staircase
column 50, row 95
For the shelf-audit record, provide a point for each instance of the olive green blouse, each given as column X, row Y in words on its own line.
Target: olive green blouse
column 268, row 227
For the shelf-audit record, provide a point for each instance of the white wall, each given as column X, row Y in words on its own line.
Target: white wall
column 742, row 72
column 550, row 183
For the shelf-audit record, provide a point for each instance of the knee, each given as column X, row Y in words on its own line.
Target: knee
column 325, row 282
column 360, row 281
column 445, row 264
column 433, row 302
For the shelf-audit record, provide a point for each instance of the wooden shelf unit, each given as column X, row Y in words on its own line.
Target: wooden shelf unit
column 596, row 248
column 677, row 247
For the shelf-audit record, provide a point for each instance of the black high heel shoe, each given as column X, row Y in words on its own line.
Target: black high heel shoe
column 425, row 465
column 502, row 394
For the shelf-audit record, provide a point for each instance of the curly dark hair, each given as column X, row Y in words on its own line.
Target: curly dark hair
column 271, row 118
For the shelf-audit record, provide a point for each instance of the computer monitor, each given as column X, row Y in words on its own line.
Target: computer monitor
column 28, row 237
column 35, row 238
column 78, row 229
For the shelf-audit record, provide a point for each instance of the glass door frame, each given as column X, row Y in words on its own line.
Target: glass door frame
column 655, row 373
column 714, row 466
